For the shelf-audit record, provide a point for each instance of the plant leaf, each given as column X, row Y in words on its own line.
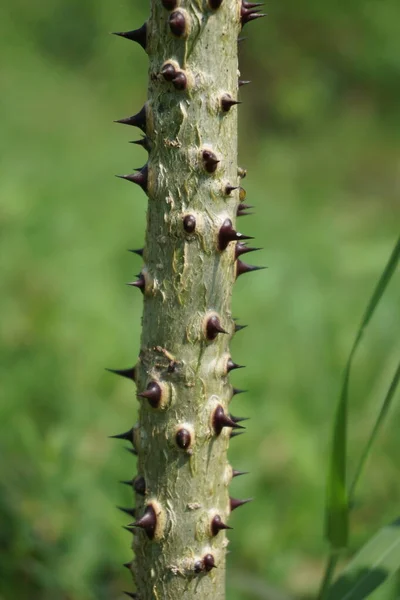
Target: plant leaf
column 378, row 560
column 337, row 499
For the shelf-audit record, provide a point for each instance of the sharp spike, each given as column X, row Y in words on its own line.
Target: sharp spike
column 227, row 102
column 144, row 142
column 130, row 529
column 242, row 268
column 128, row 511
column 242, row 206
column 138, row 120
column 215, row 4
column 236, row 433
column 218, row 525
column 231, row 366
column 127, row 373
column 140, row 178
column 238, row 473
column 139, row 251
column 235, row 503
column 236, row 391
column 230, row 188
column 242, row 82
column 132, row 451
column 127, row 482
column 148, row 522
column 248, row 15
column 241, row 248
column 246, row 4
column 152, row 394
column 169, row 4
column 132, row 595
column 228, row 234
column 137, row 35
column 210, row 161
column 127, row 435
column 140, row 283
column 238, row 419
column 214, row 327
column 242, row 213
column 127, row 565
column 239, row 327
column 221, row 420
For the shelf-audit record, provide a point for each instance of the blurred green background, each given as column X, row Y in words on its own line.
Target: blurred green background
column 320, row 136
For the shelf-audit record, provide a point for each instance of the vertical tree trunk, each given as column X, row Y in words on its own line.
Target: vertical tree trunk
column 189, row 268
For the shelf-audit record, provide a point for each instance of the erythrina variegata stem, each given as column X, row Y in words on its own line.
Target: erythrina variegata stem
column 191, row 261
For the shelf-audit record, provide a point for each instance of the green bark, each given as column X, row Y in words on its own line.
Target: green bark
column 187, row 278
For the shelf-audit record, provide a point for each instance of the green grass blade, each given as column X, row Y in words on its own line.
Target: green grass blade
column 375, row 430
column 337, row 500
column 378, row 560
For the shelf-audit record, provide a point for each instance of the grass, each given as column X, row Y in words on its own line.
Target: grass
column 322, row 161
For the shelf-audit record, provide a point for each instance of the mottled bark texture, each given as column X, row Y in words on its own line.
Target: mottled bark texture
column 190, row 263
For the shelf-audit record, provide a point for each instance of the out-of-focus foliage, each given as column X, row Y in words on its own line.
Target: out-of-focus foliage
column 320, row 136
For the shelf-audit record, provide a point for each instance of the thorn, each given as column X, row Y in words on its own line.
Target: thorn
column 127, row 373
column 128, row 511
column 228, row 234
column 132, row 451
column 169, row 4
column 242, row 173
column 231, row 366
column 152, row 394
column 242, row 206
column 218, row 525
column 148, row 522
column 128, row 435
column 246, row 4
column 140, row 283
column 227, row 102
column 144, row 142
column 238, row 473
column 127, row 482
column 236, row 433
column 235, row 503
column 139, row 485
column 177, row 23
column 132, row 531
column 242, row 268
column 127, row 565
column 214, row 327
column 241, row 39
column 238, row 419
column 168, row 71
column 247, row 15
column 137, row 35
column 236, row 391
column 215, row 4
column 189, row 223
column 230, row 188
column 241, row 248
column 210, row 161
column 242, row 82
column 221, row 420
column 239, row 327
column 140, row 178
column 183, row 438
column 242, row 213
column 209, row 562
column 139, row 251
column 138, row 120
column 180, row 81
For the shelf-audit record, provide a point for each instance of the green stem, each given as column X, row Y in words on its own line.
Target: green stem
column 329, row 574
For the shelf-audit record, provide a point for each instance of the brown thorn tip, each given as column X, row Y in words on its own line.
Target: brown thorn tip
column 136, row 35
column 127, row 435
column 230, row 188
column 243, row 82
column 214, row 327
column 210, row 161
column 231, row 366
column 148, row 522
column 236, row 433
column 239, row 327
column 218, row 525
column 236, row 391
column 221, row 420
column 236, row 473
column 242, row 268
column 127, row 373
column 228, row 234
column 138, row 120
column 152, row 394
column 140, row 283
column 140, row 178
column 241, row 248
column 128, row 511
column 209, row 562
column 227, row 102
column 139, row 251
column 235, row 502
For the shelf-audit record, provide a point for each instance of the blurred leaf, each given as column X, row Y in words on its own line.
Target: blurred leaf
column 375, row 430
column 378, row 560
column 337, row 502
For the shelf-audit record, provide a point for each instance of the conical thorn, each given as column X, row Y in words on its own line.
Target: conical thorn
column 136, row 35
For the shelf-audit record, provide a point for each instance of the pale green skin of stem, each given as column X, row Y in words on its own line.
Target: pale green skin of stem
column 187, row 277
